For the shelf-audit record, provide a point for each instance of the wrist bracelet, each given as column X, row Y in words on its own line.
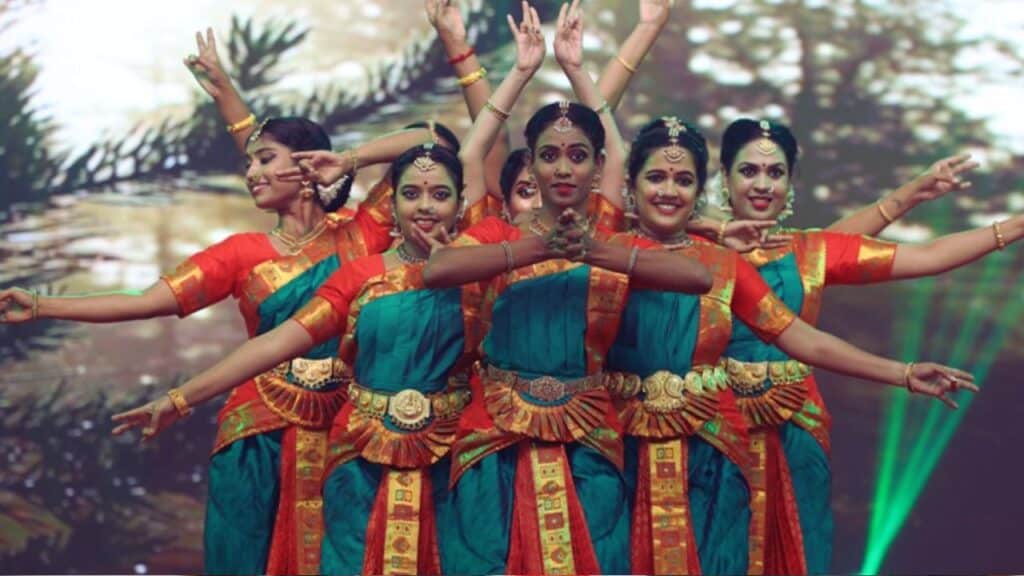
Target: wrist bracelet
column 629, row 68
column 1000, row 240
column 885, row 215
column 906, row 376
column 501, row 114
column 242, row 124
column 462, row 57
column 510, row 263
column 634, row 254
column 178, row 399
column 35, row 304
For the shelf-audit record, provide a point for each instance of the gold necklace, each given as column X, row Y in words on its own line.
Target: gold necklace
column 295, row 244
column 682, row 241
column 405, row 256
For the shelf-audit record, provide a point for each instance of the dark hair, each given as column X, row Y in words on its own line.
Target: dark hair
column 514, row 164
column 439, row 154
column 299, row 135
column 582, row 117
column 743, row 131
column 441, row 130
column 655, row 134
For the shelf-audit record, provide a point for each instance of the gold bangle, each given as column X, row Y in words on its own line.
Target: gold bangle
column 629, row 68
column 1000, row 240
column 242, row 124
column 634, row 254
column 35, row 304
column 885, row 215
column 906, row 376
column 510, row 263
column 355, row 160
column 180, row 404
column 501, row 114
column 473, row 77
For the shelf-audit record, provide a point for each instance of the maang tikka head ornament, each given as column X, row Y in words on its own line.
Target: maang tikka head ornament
column 425, row 163
column 674, row 153
column 563, row 124
column 765, row 144
column 258, row 131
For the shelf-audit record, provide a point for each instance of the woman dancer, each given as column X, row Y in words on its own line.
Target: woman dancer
column 536, row 481
column 686, row 445
column 791, row 531
column 405, row 352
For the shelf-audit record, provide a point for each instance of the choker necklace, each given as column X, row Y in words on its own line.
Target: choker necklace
column 683, row 241
column 295, row 244
column 405, row 256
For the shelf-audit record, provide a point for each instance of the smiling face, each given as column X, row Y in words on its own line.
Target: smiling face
column 264, row 157
column 564, row 165
column 758, row 182
column 425, row 199
column 666, row 193
column 524, row 196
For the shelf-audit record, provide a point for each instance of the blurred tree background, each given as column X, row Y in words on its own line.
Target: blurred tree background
column 870, row 89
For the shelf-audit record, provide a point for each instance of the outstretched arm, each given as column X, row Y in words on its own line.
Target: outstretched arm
column 941, row 178
column 446, row 18
column 210, row 75
column 620, row 70
column 569, row 53
column 18, row 305
column 954, row 250
column 256, row 356
column 812, row 346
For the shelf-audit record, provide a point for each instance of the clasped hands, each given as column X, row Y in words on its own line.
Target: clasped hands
column 571, row 237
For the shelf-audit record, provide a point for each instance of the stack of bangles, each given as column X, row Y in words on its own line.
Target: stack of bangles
column 242, row 124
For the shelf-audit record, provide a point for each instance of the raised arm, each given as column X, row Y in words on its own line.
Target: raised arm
column 19, row 305
column 812, row 346
column 569, row 53
column 446, row 18
column 256, row 356
column 210, row 74
column 486, row 128
column 941, row 178
column 620, row 70
column 954, row 250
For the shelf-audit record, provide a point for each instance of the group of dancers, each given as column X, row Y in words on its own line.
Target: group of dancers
column 578, row 357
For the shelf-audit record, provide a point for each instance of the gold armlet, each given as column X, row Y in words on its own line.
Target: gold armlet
column 242, row 124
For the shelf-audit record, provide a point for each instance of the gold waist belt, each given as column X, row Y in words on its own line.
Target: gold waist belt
column 410, row 409
column 751, row 378
column 545, row 388
column 312, row 374
column 665, row 391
